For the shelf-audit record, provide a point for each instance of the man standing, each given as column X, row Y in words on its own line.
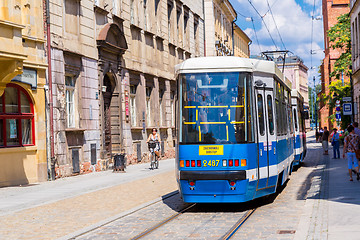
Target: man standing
column 325, row 141
column 335, row 143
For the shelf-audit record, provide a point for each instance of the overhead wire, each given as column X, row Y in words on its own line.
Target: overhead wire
column 257, row 40
column 275, row 24
column 262, row 18
column 269, row 8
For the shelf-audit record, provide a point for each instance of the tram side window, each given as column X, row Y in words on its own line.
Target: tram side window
column 270, row 115
column 261, row 114
column 296, row 121
column 277, row 107
column 291, row 120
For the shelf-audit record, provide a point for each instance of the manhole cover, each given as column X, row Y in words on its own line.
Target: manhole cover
column 286, row 231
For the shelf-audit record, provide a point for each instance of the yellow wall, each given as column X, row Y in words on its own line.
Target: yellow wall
column 22, row 44
column 241, row 43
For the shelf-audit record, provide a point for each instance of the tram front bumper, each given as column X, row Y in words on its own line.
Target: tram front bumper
column 233, row 175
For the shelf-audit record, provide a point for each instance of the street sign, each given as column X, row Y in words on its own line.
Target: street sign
column 338, row 116
column 337, row 108
column 346, row 99
column 347, row 109
column 337, row 102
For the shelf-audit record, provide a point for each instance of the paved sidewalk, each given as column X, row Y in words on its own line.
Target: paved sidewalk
column 332, row 207
column 54, row 209
column 19, row 198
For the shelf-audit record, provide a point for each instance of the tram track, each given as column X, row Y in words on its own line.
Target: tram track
column 153, row 228
column 228, row 235
column 190, row 221
column 238, row 225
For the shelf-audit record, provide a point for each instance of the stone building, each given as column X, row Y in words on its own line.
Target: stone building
column 161, row 34
column 22, row 90
column 220, row 19
column 113, row 75
column 331, row 10
column 296, row 71
column 355, row 39
column 75, row 84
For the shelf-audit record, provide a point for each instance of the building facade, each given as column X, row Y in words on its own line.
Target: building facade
column 296, row 71
column 241, row 43
column 161, row 34
column 220, row 19
column 22, row 93
column 355, row 40
column 113, row 76
column 331, row 10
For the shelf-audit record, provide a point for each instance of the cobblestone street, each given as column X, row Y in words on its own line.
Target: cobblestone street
column 121, row 206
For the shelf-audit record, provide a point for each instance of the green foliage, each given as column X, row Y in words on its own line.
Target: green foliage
column 311, row 99
column 338, row 90
column 340, row 38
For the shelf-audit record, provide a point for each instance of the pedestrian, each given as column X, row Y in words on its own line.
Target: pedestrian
column 321, row 132
column 317, row 135
column 356, row 128
column 325, row 141
column 351, row 144
column 335, row 142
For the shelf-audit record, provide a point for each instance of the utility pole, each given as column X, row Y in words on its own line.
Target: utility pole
column 315, row 105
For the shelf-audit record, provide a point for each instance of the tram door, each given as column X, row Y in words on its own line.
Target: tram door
column 266, row 136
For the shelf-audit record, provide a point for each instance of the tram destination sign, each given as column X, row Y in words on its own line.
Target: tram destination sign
column 211, row 150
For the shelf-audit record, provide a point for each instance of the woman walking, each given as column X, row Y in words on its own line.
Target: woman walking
column 351, row 144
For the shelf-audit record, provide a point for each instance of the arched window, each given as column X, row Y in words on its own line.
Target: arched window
column 16, row 118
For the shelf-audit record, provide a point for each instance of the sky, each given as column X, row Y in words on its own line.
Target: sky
column 293, row 20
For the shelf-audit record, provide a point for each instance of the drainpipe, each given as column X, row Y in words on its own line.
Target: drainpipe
column 204, row 30
column 48, row 42
column 232, row 34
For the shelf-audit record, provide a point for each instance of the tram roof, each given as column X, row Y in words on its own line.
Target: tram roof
column 228, row 63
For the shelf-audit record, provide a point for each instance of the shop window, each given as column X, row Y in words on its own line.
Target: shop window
column 70, row 97
column 16, row 118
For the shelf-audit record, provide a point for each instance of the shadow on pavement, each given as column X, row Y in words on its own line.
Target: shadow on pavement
column 175, row 202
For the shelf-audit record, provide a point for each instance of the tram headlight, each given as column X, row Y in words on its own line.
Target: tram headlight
column 243, row 162
column 224, row 162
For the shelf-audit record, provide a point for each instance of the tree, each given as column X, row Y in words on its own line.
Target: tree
column 311, row 99
column 338, row 90
column 340, row 38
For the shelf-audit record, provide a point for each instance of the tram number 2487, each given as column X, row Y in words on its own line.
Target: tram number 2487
column 211, row 163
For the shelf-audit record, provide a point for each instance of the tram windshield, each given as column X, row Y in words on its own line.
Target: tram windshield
column 216, row 108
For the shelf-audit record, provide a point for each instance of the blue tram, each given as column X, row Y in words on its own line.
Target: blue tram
column 299, row 116
column 235, row 129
